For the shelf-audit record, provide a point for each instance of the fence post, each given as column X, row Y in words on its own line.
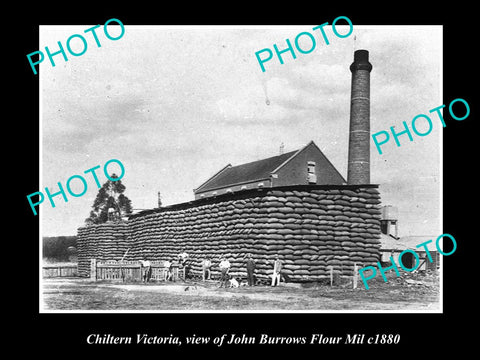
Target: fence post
column 93, row 269
column 355, row 275
column 331, row 275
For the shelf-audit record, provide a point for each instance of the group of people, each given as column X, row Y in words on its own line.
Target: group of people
column 250, row 265
column 172, row 266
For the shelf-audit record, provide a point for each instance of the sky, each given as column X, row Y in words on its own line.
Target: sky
column 175, row 104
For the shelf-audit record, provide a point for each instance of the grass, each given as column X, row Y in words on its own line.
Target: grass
column 81, row 294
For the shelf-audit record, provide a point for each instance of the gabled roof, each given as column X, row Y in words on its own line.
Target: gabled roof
column 328, row 175
column 255, row 171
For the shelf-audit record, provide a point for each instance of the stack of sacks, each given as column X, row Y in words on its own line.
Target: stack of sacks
column 207, row 231
column 312, row 230
column 85, row 237
column 102, row 242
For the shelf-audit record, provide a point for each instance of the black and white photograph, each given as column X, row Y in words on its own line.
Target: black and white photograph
column 210, row 180
column 232, row 168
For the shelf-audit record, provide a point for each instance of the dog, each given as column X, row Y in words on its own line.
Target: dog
column 233, row 283
column 191, row 287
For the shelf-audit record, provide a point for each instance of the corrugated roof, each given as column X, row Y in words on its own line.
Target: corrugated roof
column 388, row 242
column 254, row 170
column 405, row 242
column 413, row 240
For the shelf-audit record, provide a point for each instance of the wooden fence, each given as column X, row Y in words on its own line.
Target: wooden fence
column 59, row 270
column 130, row 271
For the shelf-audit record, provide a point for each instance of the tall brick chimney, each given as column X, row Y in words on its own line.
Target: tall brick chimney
column 359, row 138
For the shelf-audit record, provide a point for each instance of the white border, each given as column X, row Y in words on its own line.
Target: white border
column 218, row 27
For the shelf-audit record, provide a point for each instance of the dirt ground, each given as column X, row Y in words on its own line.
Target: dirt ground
column 411, row 292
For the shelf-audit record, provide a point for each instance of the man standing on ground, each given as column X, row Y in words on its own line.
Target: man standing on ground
column 277, row 268
column 167, row 264
column 224, row 269
column 146, row 270
column 250, row 270
column 206, row 264
column 182, row 259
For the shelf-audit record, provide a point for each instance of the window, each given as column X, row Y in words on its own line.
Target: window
column 311, row 176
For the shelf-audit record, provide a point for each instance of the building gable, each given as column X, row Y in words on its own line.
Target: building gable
column 294, row 170
column 285, row 169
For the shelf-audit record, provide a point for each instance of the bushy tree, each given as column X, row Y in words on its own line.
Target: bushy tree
column 56, row 248
column 110, row 203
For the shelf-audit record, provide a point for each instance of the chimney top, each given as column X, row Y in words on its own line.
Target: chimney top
column 360, row 61
column 360, row 55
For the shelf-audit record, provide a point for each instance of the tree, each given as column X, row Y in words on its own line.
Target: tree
column 56, row 248
column 110, row 203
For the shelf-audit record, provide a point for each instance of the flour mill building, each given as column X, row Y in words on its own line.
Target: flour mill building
column 295, row 205
column 305, row 166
